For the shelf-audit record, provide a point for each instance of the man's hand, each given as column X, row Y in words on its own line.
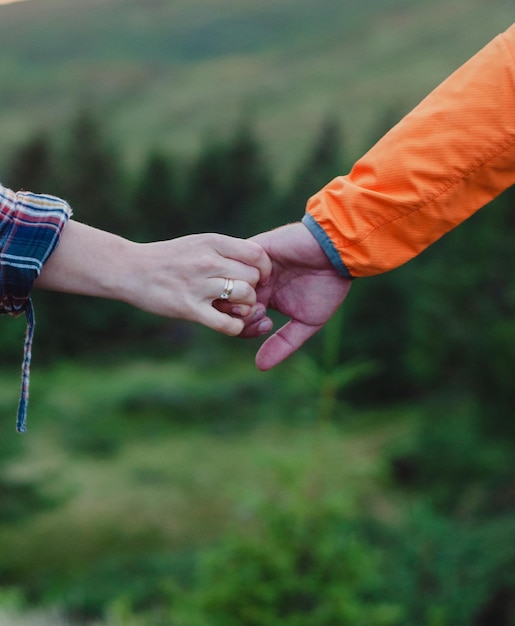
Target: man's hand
column 304, row 286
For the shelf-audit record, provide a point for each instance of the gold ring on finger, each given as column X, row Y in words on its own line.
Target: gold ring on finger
column 228, row 287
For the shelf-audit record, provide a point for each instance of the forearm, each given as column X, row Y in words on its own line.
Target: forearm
column 449, row 157
column 89, row 262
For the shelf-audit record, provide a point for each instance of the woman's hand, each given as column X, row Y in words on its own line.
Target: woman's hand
column 183, row 278
column 177, row 278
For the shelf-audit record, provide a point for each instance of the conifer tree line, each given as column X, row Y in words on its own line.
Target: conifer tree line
column 427, row 325
column 229, row 187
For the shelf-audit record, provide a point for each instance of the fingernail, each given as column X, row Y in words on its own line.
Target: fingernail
column 265, row 326
column 259, row 315
column 236, row 310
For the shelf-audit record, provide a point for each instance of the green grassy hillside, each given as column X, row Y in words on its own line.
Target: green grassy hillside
column 171, row 72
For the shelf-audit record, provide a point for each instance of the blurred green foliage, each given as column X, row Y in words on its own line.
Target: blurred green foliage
column 164, row 481
column 302, row 565
column 317, row 564
column 369, row 480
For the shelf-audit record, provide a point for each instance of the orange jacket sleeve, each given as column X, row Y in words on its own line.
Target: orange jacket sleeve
column 446, row 159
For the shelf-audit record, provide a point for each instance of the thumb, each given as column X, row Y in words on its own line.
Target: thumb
column 282, row 344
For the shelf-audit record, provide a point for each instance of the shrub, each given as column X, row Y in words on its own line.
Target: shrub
column 444, row 572
column 301, row 567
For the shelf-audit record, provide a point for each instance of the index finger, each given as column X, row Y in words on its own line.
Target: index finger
column 248, row 252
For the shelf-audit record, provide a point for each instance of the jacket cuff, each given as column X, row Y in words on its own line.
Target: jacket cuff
column 326, row 244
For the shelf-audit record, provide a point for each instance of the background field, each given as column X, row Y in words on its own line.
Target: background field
column 164, row 481
column 168, row 73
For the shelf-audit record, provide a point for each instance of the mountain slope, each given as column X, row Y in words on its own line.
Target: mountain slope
column 168, row 73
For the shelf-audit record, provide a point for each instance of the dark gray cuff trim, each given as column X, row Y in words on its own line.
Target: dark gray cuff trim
column 327, row 245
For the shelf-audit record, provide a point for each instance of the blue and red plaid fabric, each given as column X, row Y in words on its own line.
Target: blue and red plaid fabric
column 30, row 229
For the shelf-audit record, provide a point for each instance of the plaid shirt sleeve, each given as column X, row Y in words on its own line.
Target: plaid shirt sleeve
column 30, row 229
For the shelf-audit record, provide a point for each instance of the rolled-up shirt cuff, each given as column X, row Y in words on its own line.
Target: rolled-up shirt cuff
column 30, row 229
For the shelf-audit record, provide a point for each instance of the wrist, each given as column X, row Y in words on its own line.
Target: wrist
column 325, row 245
column 121, row 280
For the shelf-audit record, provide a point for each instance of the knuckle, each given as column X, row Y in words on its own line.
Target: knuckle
column 254, row 276
column 256, row 251
column 204, row 262
column 249, row 295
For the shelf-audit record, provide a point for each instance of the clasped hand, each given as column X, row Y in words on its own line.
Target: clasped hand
column 303, row 286
column 284, row 269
